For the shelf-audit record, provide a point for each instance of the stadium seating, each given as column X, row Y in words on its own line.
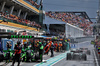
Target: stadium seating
column 30, row 6
column 33, row 3
column 71, row 18
column 22, row 22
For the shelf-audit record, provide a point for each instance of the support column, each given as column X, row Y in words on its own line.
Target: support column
column 12, row 8
column 48, row 25
column 19, row 12
column 38, row 2
column 66, row 30
column 79, row 33
column 3, row 5
column 69, row 30
column 25, row 15
column 74, row 32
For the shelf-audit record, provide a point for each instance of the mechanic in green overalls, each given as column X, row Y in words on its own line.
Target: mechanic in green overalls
column 67, row 45
column 10, row 56
column 41, row 51
column 24, row 49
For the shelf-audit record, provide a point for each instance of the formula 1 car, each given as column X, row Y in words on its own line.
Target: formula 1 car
column 85, row 50
column 76, row 54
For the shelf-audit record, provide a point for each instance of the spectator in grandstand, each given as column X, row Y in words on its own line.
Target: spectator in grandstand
column 34, row 3
column 31, row 24
column 18, row 20
column 71, row 18
column 4, row 15
column 38, row 29
column 4, row 20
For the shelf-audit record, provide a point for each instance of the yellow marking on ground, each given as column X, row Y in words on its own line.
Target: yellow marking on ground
column 18, row 26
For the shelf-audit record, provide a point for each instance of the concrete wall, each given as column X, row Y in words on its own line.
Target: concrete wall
column 73, row 31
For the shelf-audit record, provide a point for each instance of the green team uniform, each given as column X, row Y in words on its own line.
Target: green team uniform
column 41, row 51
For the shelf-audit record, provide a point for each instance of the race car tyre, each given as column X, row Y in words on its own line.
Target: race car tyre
column 84, row 57
column 68, row 56
column 7, row 57
column 28, row 53
column 1, row 57
column 88, row 52
column 37, row 57
column 32, row 59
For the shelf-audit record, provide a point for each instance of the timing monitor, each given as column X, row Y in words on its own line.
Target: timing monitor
column 7, row 33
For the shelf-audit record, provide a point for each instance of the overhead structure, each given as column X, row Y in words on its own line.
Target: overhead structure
column 70, row 30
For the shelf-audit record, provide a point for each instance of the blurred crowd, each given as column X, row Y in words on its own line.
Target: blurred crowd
column 96, row 42
column 34, row 3
column 71, row 18
column 49, row 45
column 31, row 50
column 57, row 46
column 18, row 20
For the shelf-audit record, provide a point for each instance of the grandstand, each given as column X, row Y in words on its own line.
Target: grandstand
column 18, row 26
column 22, row 14
column 73, row 24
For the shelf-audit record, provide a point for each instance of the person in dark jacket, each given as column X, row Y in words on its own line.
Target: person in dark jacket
column 52, row 50
column 64, row 47
column 1, row 47
column 17, row 53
